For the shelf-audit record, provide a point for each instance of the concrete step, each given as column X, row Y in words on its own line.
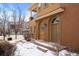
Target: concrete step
column 43, row 49
column 53, row 47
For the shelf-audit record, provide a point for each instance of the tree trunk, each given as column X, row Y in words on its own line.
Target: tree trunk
column 15, row 36
column 4, row 37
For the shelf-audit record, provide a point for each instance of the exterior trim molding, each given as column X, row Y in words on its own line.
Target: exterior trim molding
column 59, row 10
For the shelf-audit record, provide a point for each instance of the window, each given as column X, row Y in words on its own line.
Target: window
column 34, row 14
column 55, row 20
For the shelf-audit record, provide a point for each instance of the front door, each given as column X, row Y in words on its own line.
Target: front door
column 55, row 30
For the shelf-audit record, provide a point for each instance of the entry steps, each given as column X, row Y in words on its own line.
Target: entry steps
column 48, row 45
column 43, row 49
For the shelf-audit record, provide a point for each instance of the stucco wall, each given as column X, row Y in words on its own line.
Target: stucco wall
column 43, row 34
column 48, row 9
column 70, row 25
column 32, row 26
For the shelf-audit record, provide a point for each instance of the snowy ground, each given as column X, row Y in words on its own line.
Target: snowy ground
column 19, row 37
column 29, row 49
column 25, row 48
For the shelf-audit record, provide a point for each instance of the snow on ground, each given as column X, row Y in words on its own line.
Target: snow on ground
column 13, row 37
column 13, row 41
column 25, row 48
column 67, row 53
column 62, row 52
column 30, row 49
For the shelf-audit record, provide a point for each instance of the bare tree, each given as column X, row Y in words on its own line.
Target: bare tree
column 20, row 22
column 18, row 25
column 4, row 18
column 14, row 18
column 8, row 28
column 3, row 23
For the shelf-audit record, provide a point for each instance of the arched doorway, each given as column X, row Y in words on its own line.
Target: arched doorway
column 55, row 29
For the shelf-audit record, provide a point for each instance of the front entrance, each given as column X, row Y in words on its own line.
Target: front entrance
column 54, row 32
column 55, row 29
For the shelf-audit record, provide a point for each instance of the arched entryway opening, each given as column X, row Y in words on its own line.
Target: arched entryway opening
column 42, row 29
column 54, row 29
column 43, row 26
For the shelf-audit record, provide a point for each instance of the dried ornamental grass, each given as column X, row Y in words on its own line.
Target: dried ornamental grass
column 6, row 49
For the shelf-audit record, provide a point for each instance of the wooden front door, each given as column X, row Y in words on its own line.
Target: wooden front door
column 55, row 30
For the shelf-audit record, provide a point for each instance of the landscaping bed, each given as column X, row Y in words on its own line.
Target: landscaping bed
column 6, row 49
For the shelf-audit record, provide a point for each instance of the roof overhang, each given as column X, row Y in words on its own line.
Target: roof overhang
column 59, row 10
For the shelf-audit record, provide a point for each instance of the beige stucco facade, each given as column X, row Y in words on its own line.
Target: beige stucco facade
column 57, row 23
